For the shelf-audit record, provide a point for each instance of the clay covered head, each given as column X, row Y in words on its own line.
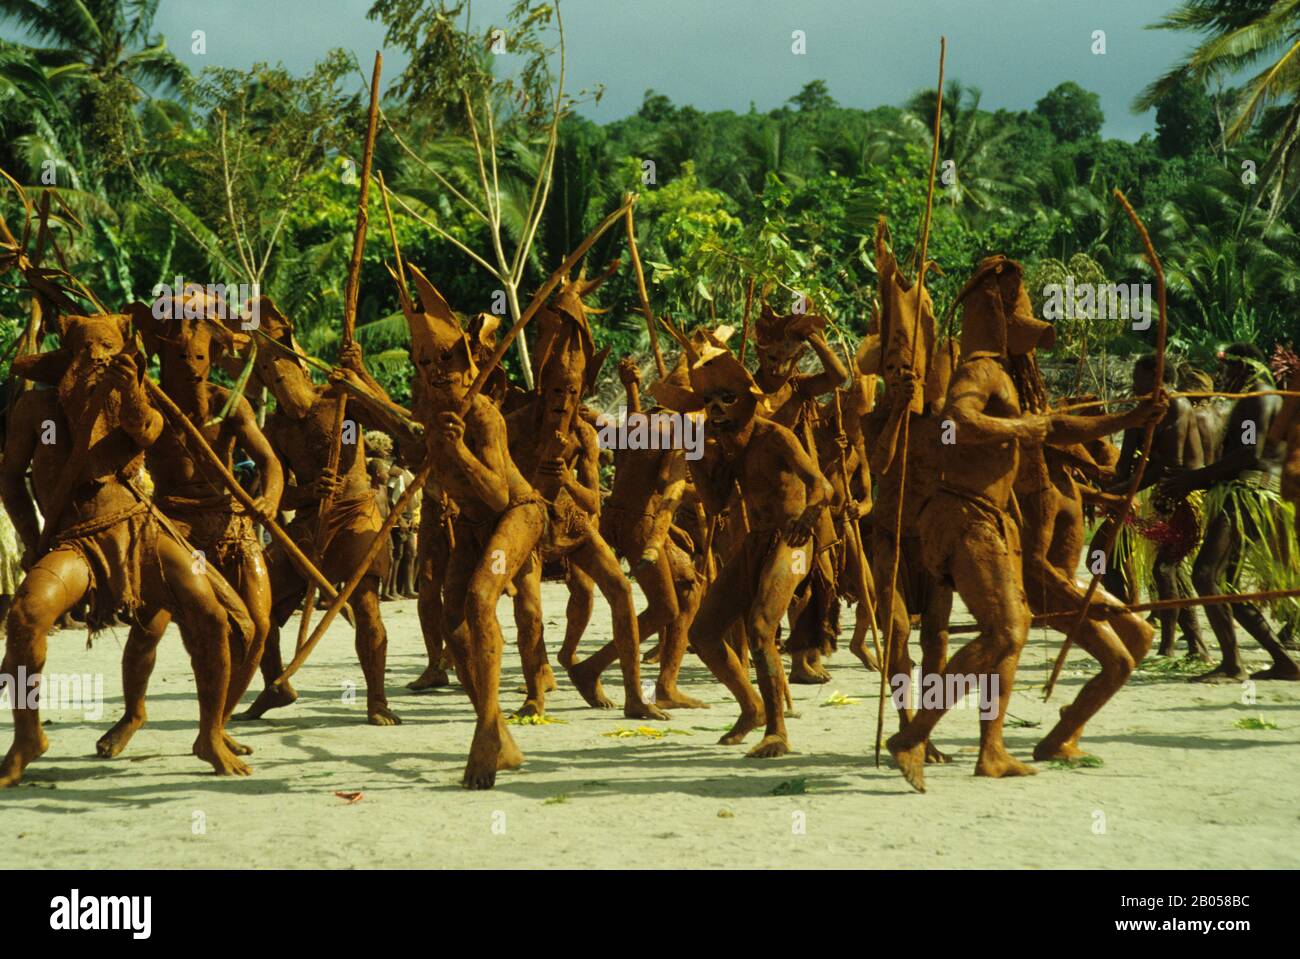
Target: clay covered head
column 997, row 315
column 192, row 339
column 780, row 340
column 728, row 394
column 77, row 369
column 280, row 370
column 440, row 350
column 562, row 323
column 905, row 322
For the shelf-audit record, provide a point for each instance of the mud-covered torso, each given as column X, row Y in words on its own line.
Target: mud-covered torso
column 175, row 471
column 774, row 495
column 303, row 445
column 985, row 470
column 641, row 475
column 484, row 427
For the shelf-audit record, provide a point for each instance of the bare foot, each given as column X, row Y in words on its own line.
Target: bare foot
column 1286, row 671
column 238, row 748
column 114, row 741
column 531, row 707
column 636, row 709
column 769, row 747
column 587, row 681
column 493, row 749
column 20, row 754
column 867, row 657
column 934, row 756
column 432, row 678
column 378, row 714
column 224, row 762
column 910, row 760
column 547, row 678
column 1221, row 674
column 997, row 763
column 511, row 757
column 676, row 699
column 744, row 726
column 1067, row 751
column 806, row 671
column 272, row 697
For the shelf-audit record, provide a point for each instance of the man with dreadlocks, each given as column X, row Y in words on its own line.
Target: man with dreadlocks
column 559, row 453
column 791, row 400
column 968, row 536
column 186, row 334
column 1249, row 529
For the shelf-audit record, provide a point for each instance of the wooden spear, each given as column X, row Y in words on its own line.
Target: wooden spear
column 887, row 599
column 350, row 295
column 1179, row 602
column 650, row 323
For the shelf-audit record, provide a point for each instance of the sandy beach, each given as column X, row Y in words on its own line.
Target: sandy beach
column 1186, row 780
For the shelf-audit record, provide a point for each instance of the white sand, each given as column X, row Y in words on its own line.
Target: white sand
column 1182, row 785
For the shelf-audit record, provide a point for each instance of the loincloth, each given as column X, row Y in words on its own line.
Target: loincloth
column 114, row 548
column 349, row 521
column 470, row 537
column 951, row 517
column 217, row 525
column 568, row 526
column 626, row 531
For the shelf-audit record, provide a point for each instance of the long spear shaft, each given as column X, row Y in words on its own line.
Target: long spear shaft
column 886, row 604
column 1179, row 602
column 650, row 323
column 350, row 295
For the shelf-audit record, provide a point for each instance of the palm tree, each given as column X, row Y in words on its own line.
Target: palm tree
column 970, row 139
column 1215, row 273
column 1245, row 35
column 105, row 52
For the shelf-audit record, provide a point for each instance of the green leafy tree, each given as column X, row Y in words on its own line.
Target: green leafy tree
column 1072, row 112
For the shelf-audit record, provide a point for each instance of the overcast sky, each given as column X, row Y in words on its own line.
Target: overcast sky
column 725, row 54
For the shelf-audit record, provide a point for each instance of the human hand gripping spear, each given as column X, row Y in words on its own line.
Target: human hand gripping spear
column 1135, row 482
column 350, row 293
column 422, row 475
column 886, row 599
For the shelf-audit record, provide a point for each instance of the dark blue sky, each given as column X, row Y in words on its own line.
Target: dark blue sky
column 723, row 54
